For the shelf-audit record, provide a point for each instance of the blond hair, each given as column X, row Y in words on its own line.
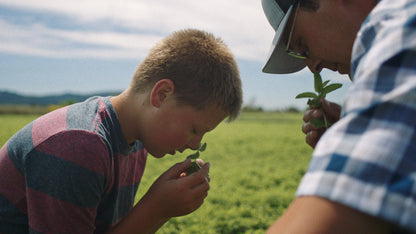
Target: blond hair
column 201, row 66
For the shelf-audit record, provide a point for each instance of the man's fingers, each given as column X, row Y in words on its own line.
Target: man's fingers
column 332, row 110
column 312, row 138
column 307, row 127
column 312, row 114
column 307, row 115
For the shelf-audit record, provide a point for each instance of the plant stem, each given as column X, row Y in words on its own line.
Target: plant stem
column 324, row 115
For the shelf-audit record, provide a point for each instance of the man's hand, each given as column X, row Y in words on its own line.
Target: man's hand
column 310, row 214
column 313, row 134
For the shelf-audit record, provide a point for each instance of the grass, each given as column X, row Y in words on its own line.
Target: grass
column 256, row 164
column 11, row 123
column 24, row 109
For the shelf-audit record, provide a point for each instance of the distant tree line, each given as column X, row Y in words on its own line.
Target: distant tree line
column 251, row 106
column 25, row 109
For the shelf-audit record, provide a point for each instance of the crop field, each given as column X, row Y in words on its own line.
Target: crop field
column 10, row 124
column 256, row 161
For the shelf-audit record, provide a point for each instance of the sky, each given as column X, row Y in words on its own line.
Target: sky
column 85, row 46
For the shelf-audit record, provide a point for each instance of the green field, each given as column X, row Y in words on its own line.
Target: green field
column 256, row 163
column 10, row 124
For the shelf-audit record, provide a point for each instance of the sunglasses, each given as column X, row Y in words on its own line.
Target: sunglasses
column 289, row 51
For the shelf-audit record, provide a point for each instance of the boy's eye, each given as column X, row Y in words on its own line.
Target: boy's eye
column 194, row 131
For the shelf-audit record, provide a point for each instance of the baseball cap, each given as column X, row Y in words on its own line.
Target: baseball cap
column 278, row 61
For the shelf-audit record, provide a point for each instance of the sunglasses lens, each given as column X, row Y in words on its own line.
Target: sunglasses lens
column 296, row 55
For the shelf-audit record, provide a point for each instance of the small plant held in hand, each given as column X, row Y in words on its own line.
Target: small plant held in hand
column 322, row 89
column 194, row 167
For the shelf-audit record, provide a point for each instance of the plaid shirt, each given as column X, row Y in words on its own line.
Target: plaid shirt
column 367, row 160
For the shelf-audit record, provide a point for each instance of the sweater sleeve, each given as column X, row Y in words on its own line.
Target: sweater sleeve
column 66, row 177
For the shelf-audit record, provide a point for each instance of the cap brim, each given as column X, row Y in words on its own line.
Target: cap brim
column 278, row 61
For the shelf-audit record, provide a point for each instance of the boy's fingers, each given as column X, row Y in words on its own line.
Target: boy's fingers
column 202, row 185
column 200, row 162
column 205, row 169
column 177, row 169
column 201, row 190
column 198, row 177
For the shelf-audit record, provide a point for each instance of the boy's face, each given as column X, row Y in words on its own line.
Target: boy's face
column 179, row 127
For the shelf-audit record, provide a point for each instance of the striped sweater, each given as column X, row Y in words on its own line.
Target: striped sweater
column 69, row 171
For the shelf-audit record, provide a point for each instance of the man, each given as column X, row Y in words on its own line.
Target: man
column 362, row 175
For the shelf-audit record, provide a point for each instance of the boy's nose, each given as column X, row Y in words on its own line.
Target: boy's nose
column 194, row 145
column 195, row 142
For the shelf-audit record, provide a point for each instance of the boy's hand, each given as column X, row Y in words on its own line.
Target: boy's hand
column 172, row 194
column 200, row 163
column 313, row 134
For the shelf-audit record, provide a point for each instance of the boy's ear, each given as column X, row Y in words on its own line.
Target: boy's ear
column 161, row 91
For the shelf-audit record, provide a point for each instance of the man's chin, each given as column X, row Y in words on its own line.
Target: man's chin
column 344, row 70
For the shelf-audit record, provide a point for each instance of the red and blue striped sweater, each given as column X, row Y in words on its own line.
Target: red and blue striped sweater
column 69, row 171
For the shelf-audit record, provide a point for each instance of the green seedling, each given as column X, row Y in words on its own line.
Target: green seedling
column 322, row 89
column 194, row 167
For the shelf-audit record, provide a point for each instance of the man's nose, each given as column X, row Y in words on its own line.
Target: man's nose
column 314, row 65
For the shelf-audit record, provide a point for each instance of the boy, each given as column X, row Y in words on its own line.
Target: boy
column 77, row 169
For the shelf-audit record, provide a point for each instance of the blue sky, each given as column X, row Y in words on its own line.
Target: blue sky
column 83, row 46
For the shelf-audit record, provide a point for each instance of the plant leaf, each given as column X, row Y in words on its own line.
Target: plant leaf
column 202, row 147
column 325, row 83
column 307, row 95
column 314, row 102
column 194, row 155
column 317, row 123
column 194, row 167
column 332, row 87
column 318, row 82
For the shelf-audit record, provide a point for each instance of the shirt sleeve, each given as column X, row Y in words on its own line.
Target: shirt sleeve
column 367, row 160
column 66, row 179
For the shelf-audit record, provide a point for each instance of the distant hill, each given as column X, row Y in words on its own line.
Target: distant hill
column 11, row 98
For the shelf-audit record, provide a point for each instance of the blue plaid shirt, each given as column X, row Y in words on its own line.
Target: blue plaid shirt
column 367, row 160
